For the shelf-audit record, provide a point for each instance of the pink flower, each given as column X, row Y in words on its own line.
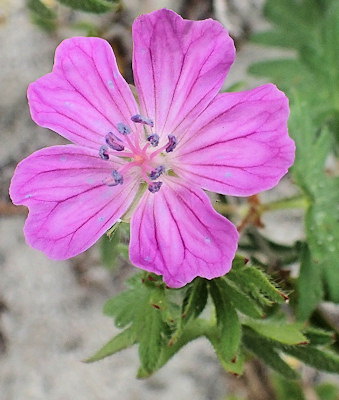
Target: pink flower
column 150, row 161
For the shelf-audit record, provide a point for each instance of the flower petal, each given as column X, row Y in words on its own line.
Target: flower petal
column 176, row 233
column 70, row 207
column 85, row 96
column 239, row 145
column 179, row 66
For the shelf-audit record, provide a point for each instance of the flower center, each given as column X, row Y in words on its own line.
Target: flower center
column 119, row 144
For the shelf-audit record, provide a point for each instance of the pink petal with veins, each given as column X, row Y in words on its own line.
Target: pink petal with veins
column 179, row 66
column 85, row 96
column 239, row 145
column 177, row 233
column 69, row 206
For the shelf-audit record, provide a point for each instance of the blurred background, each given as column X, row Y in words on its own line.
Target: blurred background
column 50, row 312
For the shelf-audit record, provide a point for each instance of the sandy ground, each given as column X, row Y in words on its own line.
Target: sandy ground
column 52, row 318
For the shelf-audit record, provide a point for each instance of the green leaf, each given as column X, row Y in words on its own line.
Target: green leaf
column 150, row 343
column 254, row 277
column 112, row 247
column 318, row 336
column 327, row 391
column 239, row 263
column 312, row 28
column 94, row 6
column 120, row 342
column 287, row 389
column 108, row 248
column 265, row 351
column 43, row 16
column 195, row 299
column 283, row 333
column 227, row 319
column 310, row 276
column 236, row 365
column 321, row 218
column 242, row 301
column 127, row 306
column 322, row 227
column 317, row 358
column 286, row 72
column 193, row 330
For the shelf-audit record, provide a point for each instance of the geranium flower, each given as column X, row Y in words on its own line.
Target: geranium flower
column 151, row 159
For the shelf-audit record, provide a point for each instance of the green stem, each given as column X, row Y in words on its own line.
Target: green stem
column 223, row 208
column 290, row 202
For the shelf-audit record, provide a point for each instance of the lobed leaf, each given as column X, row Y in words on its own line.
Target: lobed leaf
column 195, row 299
column 310, row 276
column 318, row 336
column 43, row 16
column 281, row 332
column 324, row 360
column 123, row 340
column 257, row 278
column 242, row 301
column 265, row 351
column 287, row 389
column 150, row 339
column 227, row 319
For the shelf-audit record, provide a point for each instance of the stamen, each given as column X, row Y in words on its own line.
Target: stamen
column 103, row 153
column 112, row 141
column 153, row 139
column 157, row 172
column 172, row 143
column 119, row 179
column 170, row 146
column 154, row 187
column 115, row 179
column 139, row 119
column 123, row 128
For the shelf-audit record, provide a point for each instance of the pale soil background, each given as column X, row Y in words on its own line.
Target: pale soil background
column 51, row 311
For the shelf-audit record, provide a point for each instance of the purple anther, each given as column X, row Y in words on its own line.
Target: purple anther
column 119, row 179
column 154, row 187
column 172, row 143
column 103, row 153
column 157, row 172
column 112, row 141
column 153, row 139
column 123, row 128
column 139, row 119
